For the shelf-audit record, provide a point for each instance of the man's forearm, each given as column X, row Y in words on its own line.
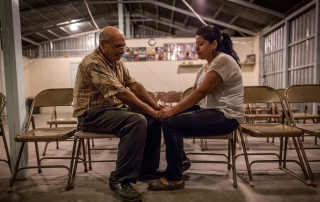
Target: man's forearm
column 141, row 93
column 132, row 101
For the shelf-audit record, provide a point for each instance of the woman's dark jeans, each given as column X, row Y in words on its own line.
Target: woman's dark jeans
column 191, row 123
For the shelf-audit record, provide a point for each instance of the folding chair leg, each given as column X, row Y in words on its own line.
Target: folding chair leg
column 8, row 161
column 13, row 177
column 229, row 147
column 92, row 142
column 238, row 140
column 76, row 162
column 314, row 184
column 246, row 159
column 301, row 161
column 38, row 158
column 233, row 152
column 202, row 145
column 205, row 144
column 84, row 155
column 281, row 152
column 285, row 153
column 45, row 149
column 57, row 144
column 89, row 154
column 69, row 185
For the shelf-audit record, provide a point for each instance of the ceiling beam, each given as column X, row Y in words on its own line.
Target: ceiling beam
column 258, row 8
column 187, row 18
column 88, row 19
column 166, row 22
column 51, row 32
column 30, row 41
column 43, row 36
column 39, row 9
column 71, row 36
column 205, row 18
column 155, row 30
column 219, row 10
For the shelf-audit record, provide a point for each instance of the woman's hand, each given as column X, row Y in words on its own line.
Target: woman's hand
column 166, row 112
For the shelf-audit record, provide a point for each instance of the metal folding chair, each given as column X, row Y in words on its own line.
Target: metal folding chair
column 46, row 98
column 305, row 94
column 265, row 94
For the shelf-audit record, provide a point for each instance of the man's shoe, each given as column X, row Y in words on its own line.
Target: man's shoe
column 124, row 191
column 186, row 164
column 151, row 175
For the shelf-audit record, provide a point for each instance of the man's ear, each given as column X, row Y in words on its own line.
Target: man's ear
column 102, row 44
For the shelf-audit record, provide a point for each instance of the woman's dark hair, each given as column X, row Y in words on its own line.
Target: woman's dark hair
column 212, row 33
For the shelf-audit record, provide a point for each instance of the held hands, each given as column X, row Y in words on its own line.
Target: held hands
column 165, row 112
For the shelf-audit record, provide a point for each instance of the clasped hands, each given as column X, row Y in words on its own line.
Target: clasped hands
column 165, row 112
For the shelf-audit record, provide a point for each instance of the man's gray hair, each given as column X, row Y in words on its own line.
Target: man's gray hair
column 103, row 36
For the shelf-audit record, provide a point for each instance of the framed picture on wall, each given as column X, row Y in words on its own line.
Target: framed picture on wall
column 151, row 57
column 251, row 58
column 125, row 57
column 142, row 50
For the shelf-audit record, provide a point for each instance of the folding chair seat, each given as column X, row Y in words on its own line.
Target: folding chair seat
column 265, row 94
column 305, row 94
column 54, row 120
column 231, row 149
column 80, row 137
column 46, row 98
column 2, row 134
column 255, row 113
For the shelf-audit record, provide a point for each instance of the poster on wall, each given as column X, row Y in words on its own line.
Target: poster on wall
column 169, row 52
column 180, row 51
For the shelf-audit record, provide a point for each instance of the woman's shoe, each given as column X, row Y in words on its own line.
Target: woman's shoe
column 157, row 185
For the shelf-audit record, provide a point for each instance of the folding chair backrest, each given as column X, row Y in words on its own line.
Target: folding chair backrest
column 172, row 96
column 3, row 102
column 261, row 94
column 50, row 98
column 186, row 92
column 303, row 93
column 160, row 96
column 54, row 97
column 281, row 92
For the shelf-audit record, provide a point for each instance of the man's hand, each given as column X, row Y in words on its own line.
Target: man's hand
column 156, row 114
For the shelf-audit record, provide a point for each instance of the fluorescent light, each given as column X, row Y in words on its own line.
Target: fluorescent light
column 73, row 27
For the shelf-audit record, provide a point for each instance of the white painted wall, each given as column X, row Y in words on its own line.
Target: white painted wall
column 47, row 73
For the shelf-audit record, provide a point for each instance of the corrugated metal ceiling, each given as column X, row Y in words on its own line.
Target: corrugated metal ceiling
column 45, row 20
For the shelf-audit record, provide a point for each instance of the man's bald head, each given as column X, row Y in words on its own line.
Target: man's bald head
column 110, row 39
column 109, row 32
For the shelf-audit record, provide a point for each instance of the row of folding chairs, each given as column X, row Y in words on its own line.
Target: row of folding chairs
column 259, row 94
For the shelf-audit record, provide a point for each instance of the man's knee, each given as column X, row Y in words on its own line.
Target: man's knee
column 138, row 119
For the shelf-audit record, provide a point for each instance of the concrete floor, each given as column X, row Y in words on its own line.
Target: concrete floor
column 204, row 182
